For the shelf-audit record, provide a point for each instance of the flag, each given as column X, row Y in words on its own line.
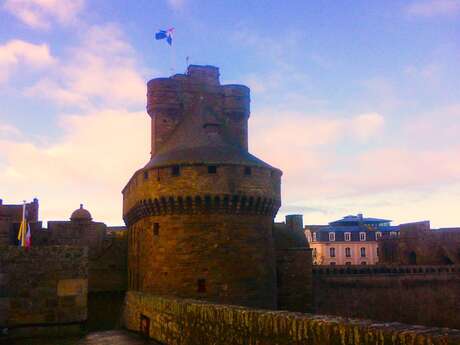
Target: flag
column 162, row 34
column 23, row 228
column 28, row 237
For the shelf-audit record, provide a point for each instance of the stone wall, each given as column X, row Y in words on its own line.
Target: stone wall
column 188, row 322
column 294, row 279
column 43, row 286
column 222, row 258
column 108, row 264
column 424, row 295
column 418, row 244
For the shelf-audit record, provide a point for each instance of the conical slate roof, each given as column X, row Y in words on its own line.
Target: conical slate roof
column 201, row 139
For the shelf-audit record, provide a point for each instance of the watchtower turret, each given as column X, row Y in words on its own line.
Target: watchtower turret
column 200, row 212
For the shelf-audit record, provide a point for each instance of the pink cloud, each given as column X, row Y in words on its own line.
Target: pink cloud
column 90, row 163
column 17, row 52
column 101, row 69
column 40, row 13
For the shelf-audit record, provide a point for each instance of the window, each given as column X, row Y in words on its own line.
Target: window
column 332, row 263
column 362, row 236
column 175, row 170
column 363, row 263
column 332, row 236
column 378, row 251
column 314, row 252
column 378, row 235
column 201, row 285
column 332, row 252
column 348, row 263
column 348, row 252
column 363, row 252
column 156, row 229
column 393, row 234
column 146, row 175
column 314, row 236
column 348, row 236
column 247, row 171
column 212, row 169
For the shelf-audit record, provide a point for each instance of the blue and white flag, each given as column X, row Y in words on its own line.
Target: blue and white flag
column 162, row 34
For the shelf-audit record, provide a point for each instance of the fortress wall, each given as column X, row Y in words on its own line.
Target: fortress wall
column 423, row 295
column 108, row 265
column 294, row 279
column 41, row 287
column 189, row 322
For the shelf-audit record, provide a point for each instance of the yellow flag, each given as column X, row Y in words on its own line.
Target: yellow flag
column 23, row 228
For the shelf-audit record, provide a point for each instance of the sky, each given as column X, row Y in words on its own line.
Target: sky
column 358, row 102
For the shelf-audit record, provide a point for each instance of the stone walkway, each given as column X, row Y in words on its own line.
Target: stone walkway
column 96, row 338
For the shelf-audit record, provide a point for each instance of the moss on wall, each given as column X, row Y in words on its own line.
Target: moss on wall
column 189, row 322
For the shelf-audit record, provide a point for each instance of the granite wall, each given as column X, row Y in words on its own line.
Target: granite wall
column 43, row 286
column 189, row 322
column 424, row 295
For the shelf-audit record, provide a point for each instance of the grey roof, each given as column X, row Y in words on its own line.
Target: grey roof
column 356, row 228
column 358, row 220
column 191, row 144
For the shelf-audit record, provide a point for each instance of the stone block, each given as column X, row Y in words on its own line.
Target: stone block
column 72, row 287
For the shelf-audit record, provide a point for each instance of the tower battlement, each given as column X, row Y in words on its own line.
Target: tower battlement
column 220, row 109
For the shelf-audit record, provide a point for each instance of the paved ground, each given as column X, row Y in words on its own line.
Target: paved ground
column 96, row 338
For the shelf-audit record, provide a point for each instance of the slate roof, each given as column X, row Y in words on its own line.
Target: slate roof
column 190, row 143
column 356, row 228
column 358, row 220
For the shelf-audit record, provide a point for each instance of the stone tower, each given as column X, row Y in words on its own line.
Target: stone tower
column 200, row 213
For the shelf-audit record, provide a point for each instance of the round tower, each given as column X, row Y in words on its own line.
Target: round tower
column 200, row 213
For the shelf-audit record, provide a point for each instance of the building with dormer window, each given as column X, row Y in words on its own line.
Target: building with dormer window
column 351, row 240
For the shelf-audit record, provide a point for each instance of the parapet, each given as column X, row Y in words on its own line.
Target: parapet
column 204, row 74
column 198, row 94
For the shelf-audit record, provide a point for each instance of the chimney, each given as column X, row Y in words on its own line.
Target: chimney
column 360, row 216
column 1, row 201
column 295, row 221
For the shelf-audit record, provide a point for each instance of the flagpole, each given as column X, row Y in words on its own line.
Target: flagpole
column 173, row 59
column 22, row 230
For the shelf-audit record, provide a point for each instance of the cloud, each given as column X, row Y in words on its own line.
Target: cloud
column 433, row 8
column 177, row 5
column 40, row 14
column 17, row 53
column 89, row 163
column 7, row 131
column 304, row 146
column 438, row 205
column 101, row 70
column 403, row 168
column 366, row 126
column 101, row 141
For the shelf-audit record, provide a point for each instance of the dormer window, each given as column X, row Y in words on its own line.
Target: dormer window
column 362, row 236
column 314, row 236
column 332, row 236
column 378, row 235
column 347, row 236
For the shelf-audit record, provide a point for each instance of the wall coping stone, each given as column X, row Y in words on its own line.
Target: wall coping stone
column 215, row 323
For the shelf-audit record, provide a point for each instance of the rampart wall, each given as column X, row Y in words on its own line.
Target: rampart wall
column 423, row 295
column 43, row 288
column 189, row 322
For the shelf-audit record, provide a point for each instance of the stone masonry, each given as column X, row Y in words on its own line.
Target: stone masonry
column 200, row 213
